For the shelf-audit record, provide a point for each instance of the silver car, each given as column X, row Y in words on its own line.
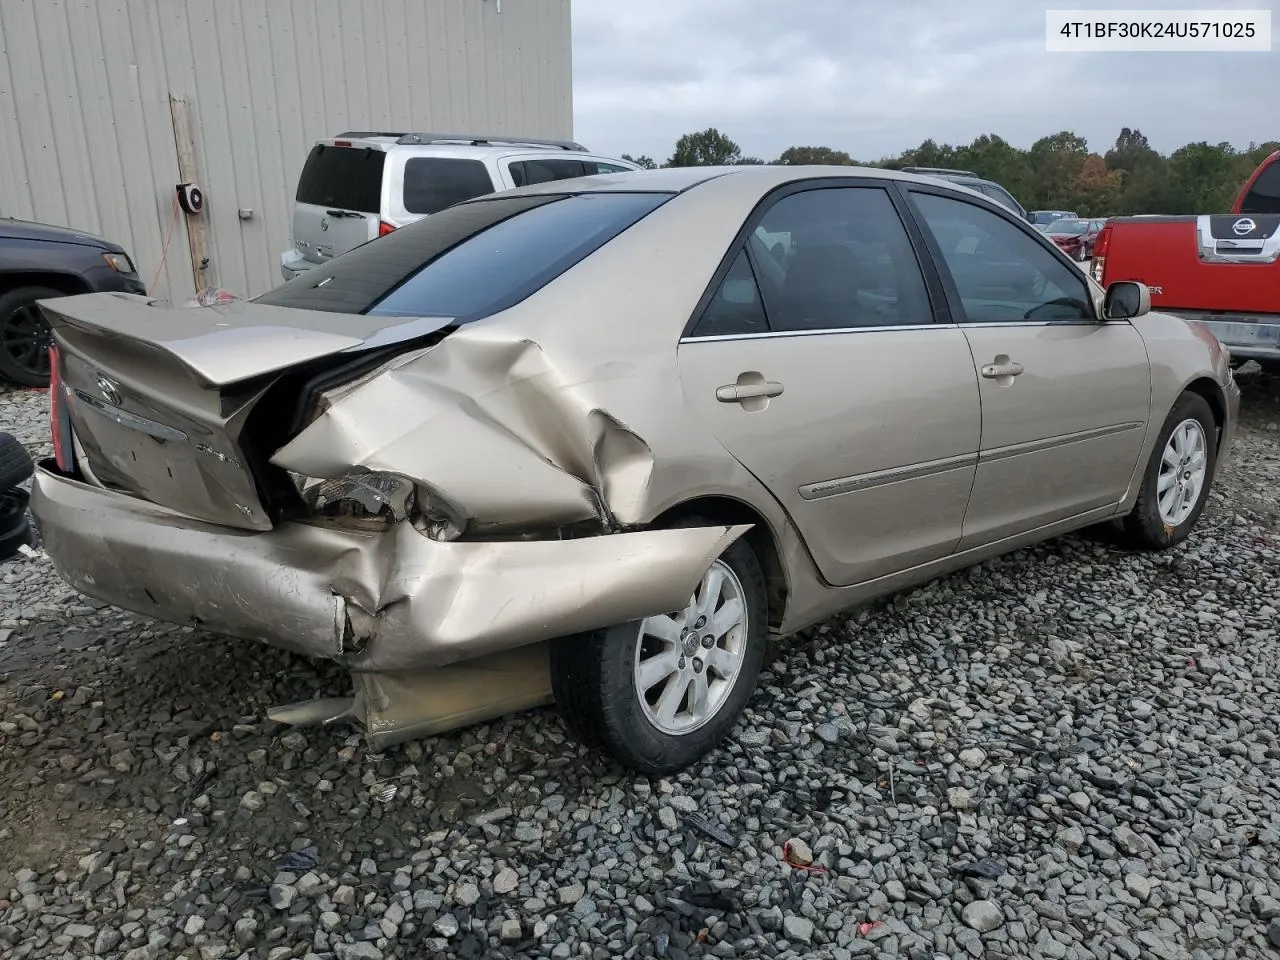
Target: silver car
column 595, row 440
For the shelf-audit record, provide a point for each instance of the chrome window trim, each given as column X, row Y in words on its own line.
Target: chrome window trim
column 827, row 331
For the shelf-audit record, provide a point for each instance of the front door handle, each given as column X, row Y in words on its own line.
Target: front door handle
column 738, row 392
column 1003, row 367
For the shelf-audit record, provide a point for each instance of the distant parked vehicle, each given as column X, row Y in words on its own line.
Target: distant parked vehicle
column 1042, row 218
column 1261, row 192
column 967, row 178
column 38, row 261
column 1219, row 270
column 1076, row 237
column 361, row 185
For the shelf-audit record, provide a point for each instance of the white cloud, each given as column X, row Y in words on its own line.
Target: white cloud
column 877, row 78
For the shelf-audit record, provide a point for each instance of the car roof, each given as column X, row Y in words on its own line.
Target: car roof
column 678, row 179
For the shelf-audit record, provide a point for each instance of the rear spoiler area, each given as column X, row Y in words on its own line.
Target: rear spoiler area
column 226, row 343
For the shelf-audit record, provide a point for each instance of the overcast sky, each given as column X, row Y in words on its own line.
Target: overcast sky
column 874, row 77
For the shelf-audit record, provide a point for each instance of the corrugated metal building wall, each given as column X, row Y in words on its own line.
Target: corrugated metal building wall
column 99, row 100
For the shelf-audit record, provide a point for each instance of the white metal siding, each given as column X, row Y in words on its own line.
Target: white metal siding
column 87, row 138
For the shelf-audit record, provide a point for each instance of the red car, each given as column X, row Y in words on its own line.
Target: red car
column 1075, row 237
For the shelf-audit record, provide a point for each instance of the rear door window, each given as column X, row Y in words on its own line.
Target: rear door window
column 736, row 308
column 1264, row 196
column 832, row 258
column 433, row 183
column 467, row 261
column 343, row 178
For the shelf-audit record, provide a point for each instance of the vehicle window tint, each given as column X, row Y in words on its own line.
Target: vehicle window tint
column 609, row 168
column 433, row 183
column 1001, row 273
column 468, row 261
column 736, row 307
column 1003, row 197
column 838, row 257
column 547, row 170
column 344, row 178
column 1264, row 195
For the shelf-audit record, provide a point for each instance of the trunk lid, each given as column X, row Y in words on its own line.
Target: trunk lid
column 338, row 204
column 163, row 402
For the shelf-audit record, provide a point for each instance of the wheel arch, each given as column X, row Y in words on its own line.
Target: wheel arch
column 68, row 283
column 1210, row 391
column 761, row 538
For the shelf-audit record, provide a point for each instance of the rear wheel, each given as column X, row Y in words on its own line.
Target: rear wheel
column 660, row 694
column 25, row 336
column 1176, row 483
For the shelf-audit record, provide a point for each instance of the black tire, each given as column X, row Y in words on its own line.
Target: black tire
column 593, row 680
column 15, row 463
column 24, row 336
column 1144, row 528
column 15, row 527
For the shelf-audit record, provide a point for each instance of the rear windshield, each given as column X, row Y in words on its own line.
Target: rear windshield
column 1264, row 196
column 433, row 183
column 344, row 178
column 468, row 261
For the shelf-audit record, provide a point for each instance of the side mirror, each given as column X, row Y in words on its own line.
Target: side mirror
column 1126, row 300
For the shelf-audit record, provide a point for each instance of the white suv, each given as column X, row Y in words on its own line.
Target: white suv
column 360, row 185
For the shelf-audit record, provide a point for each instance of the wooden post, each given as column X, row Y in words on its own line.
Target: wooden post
column 189, row 171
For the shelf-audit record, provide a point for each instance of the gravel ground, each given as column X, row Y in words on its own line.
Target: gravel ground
column 1066, row 753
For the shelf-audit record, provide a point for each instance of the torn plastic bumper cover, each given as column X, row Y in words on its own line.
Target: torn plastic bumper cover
column 375, row 601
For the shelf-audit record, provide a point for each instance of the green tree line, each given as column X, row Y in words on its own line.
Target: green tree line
column 1058, row 172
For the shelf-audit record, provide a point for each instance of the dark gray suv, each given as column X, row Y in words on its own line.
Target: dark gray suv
column 37, row 262
column 966, row 178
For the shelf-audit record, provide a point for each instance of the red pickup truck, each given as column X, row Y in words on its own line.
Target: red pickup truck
column 1220, row 269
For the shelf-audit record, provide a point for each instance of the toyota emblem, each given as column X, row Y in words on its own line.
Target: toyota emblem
column 1243, row 227
column 324, row 223
column 109, row 391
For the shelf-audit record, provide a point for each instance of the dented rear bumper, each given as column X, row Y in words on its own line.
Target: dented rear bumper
column 388, row 601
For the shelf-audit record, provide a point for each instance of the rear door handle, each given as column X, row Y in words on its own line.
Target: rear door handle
column 994, row 371
column 737, row 392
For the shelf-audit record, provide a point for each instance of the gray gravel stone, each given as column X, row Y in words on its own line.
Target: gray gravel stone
column 1099, row 721
column 798, row 928
column 983, row 916
column 1138, row 885
column 801, row 852
column 356, row 951
column 446, row 925
column 506, row 881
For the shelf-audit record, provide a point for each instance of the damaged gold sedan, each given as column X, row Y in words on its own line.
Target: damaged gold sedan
column 593, row 441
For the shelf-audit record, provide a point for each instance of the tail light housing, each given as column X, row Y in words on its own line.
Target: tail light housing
column 1099, row 262
column 384, row 228
column 59, row 420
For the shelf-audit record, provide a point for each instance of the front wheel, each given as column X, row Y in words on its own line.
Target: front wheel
column 1175, row 485
column 660, row 694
